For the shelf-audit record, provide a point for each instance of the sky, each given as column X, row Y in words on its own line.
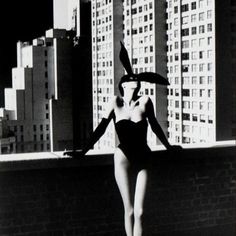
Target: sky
column 23, row 20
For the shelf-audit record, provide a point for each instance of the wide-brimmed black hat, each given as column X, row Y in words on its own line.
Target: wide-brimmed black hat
column 150, row 77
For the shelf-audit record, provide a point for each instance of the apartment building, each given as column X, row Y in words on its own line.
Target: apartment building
column 199, row 71
column 38, row 106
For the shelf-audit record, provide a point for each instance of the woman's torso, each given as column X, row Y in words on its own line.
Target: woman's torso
column 131, row 127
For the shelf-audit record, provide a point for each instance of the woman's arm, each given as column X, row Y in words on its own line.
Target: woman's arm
column 101, row 128
column 156, row 128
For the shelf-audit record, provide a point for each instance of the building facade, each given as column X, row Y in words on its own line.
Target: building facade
column 200, row 96
column 38, row 107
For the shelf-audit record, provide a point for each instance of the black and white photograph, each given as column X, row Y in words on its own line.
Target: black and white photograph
column 118, row 118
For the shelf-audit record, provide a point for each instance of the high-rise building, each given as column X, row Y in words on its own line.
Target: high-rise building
column 38, row 107
column 200, row 70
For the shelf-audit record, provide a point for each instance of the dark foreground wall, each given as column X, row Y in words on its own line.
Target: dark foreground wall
column 192, row 194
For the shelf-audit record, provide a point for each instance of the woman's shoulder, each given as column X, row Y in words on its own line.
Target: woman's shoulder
column 144, row 99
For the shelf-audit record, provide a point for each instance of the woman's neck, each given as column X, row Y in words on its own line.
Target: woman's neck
column 128, row 100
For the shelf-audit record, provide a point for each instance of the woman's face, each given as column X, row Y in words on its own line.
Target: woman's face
column 130, row 87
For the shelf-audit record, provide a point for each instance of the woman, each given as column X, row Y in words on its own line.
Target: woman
column 130, row 113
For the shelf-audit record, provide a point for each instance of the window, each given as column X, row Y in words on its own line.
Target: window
column 186, row 116
column 194, row 80
column 209, row 27
column 176, row 56
column 184, row 8
column 201, row 67
column 194, row 117
column 176, row 45
column 185, row 68
column 209, row 66
column 194, row 67
column 193, row 5
column 200, row 54
column 209, row 14
column 210, row 80
column 185, row 56
column 194, row 30
column 202, row 92
column 185, row 44
column 186, row 104
column 194, row 92
column 176, row 21
column 176, row 9
column 185, row 80
column 185, row 92
column 193, row 18
column 201, row 29
column 193, row 43
column 209, row 53
column 201, row 42
column 201, row 3
column 185, row 20
column 202, row 118
column 177, row 116
column 202, row 79
column 185, row 32
column 201, row 16
column 176, row 104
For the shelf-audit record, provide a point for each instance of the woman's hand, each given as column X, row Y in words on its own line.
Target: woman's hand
column 77, row 154
column 175, row 148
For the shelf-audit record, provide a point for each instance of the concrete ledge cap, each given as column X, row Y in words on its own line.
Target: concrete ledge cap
column 46, row 160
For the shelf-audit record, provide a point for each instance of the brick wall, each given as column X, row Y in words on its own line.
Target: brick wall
column 190, row 194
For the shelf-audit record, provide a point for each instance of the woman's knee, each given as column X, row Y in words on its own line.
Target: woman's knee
column 138, row 212
column 129, row 211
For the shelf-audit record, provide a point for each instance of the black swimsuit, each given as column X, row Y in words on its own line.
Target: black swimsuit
column 133, row 141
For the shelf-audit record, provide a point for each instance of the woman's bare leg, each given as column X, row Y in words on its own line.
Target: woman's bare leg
column 122, row 177
column 140, row 190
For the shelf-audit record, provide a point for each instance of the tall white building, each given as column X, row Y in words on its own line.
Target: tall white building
column 199, row 71
column 38, row 107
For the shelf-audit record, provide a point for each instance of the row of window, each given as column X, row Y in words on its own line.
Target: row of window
column 194, row 43
column 41, row 137
column 40, row 127
column 187, row 7
column 192, row 117
column 191, row 92
column 194, row 80
column 142, row 60
column 186, row 32
column 195, row 105
column 194, row 56
column 140, row 30
column 193, row 68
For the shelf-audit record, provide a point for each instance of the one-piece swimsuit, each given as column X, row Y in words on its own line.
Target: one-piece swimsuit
column 133, row 141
